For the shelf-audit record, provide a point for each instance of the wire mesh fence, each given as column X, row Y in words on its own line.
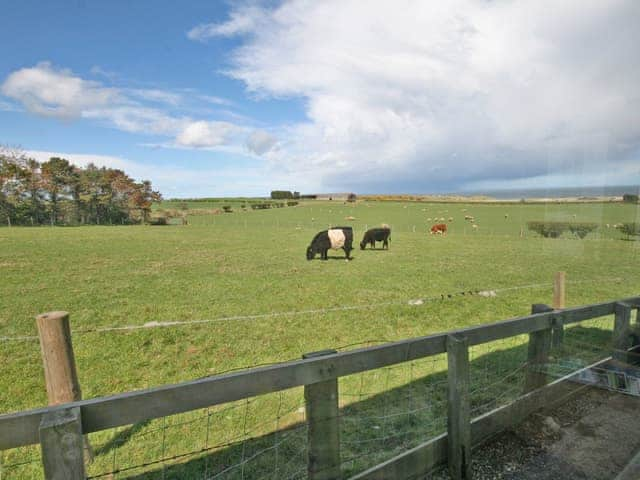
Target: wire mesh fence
column 496, row 373
column 383, row 412
column 391, row 410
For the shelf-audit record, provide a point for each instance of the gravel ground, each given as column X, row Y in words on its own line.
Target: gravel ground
column 593, row 436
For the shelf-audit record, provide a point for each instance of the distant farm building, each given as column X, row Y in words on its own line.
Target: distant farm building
column 336, row 196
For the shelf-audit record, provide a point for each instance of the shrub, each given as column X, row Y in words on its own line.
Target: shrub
column 292, row 203
column 548, row 229
column 556, row 229
column 630, row 198
column 227, row 209
column 581, row 230
column 260, row 206
column 630, row 229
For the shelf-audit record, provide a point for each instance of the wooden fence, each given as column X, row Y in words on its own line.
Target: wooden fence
column 59, row 429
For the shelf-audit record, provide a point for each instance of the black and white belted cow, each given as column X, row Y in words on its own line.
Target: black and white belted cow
column 335, row 238
column 374, row 235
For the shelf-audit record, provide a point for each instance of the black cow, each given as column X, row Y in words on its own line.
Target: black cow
column 337, row 237
column 374, row 235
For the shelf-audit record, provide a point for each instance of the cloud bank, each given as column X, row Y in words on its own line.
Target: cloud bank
column 418, row 96
column 48, row 91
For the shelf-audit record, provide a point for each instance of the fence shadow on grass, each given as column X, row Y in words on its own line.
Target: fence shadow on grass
column 376, row 426
column 121, row 438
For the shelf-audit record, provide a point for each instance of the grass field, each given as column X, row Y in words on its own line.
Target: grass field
column 253, row 263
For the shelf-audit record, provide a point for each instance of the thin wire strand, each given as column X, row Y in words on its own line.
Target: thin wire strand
column 317, row 311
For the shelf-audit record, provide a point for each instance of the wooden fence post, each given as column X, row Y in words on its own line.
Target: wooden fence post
column 559, row 291
column 60, row 373
column 559, row 302
column 622, row 332
column 538, row 352
column 458, row 409
column 321, row 400
column 61, row 443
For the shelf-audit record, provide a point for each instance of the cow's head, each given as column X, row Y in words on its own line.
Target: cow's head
column 310, row 253
column 362, row 245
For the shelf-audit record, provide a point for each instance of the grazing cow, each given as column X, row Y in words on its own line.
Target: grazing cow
column 374, row 235
column 335, row 238
column 439, row 228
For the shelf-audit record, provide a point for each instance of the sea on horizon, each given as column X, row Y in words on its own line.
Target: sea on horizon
column 564, row 192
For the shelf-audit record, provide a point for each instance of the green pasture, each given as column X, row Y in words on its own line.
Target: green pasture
column 227, row 267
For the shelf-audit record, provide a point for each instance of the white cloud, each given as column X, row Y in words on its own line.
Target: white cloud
column 242, row 20
column 424, row 94
column 260, row 142
column 215, row 100
column 156, row 95
column 203, row 134
column 8, row 107
column 45, row 90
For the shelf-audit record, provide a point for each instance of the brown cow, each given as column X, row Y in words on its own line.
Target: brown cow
column 439, row 228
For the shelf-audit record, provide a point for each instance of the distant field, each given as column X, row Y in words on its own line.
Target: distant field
column 250, row 263
column 207, row 203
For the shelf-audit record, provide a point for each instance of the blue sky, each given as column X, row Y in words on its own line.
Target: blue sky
column 215, row 98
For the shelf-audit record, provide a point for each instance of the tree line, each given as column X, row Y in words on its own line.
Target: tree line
column 57, row 192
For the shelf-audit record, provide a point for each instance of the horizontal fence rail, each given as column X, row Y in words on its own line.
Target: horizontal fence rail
column 22, row 428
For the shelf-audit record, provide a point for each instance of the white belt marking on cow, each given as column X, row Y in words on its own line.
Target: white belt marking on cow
column 336, row 237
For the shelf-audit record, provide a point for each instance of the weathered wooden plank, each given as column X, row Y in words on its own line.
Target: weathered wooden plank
column 537, row 353
column 62, row 445
column 321, row 402
column 458, row 410
column 622, row 332
column 559, row 302
column 557, row 333
column 578, row 314
column 21, row 428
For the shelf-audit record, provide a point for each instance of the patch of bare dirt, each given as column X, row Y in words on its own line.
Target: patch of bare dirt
column 593, row 436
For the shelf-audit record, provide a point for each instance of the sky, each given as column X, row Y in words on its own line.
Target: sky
column 209, row 98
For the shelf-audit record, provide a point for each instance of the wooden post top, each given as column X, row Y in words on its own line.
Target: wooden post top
column 540, row 308
column 52, row 315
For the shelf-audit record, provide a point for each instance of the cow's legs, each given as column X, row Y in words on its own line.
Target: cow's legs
column 347, row 251
column 324, row 255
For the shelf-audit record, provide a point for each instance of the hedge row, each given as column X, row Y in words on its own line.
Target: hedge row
column 556, row 229
column 630, row 229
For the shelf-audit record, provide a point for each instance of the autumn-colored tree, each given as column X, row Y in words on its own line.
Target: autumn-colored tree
column 57, row 175
column 143, row 197
column 58, row 192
